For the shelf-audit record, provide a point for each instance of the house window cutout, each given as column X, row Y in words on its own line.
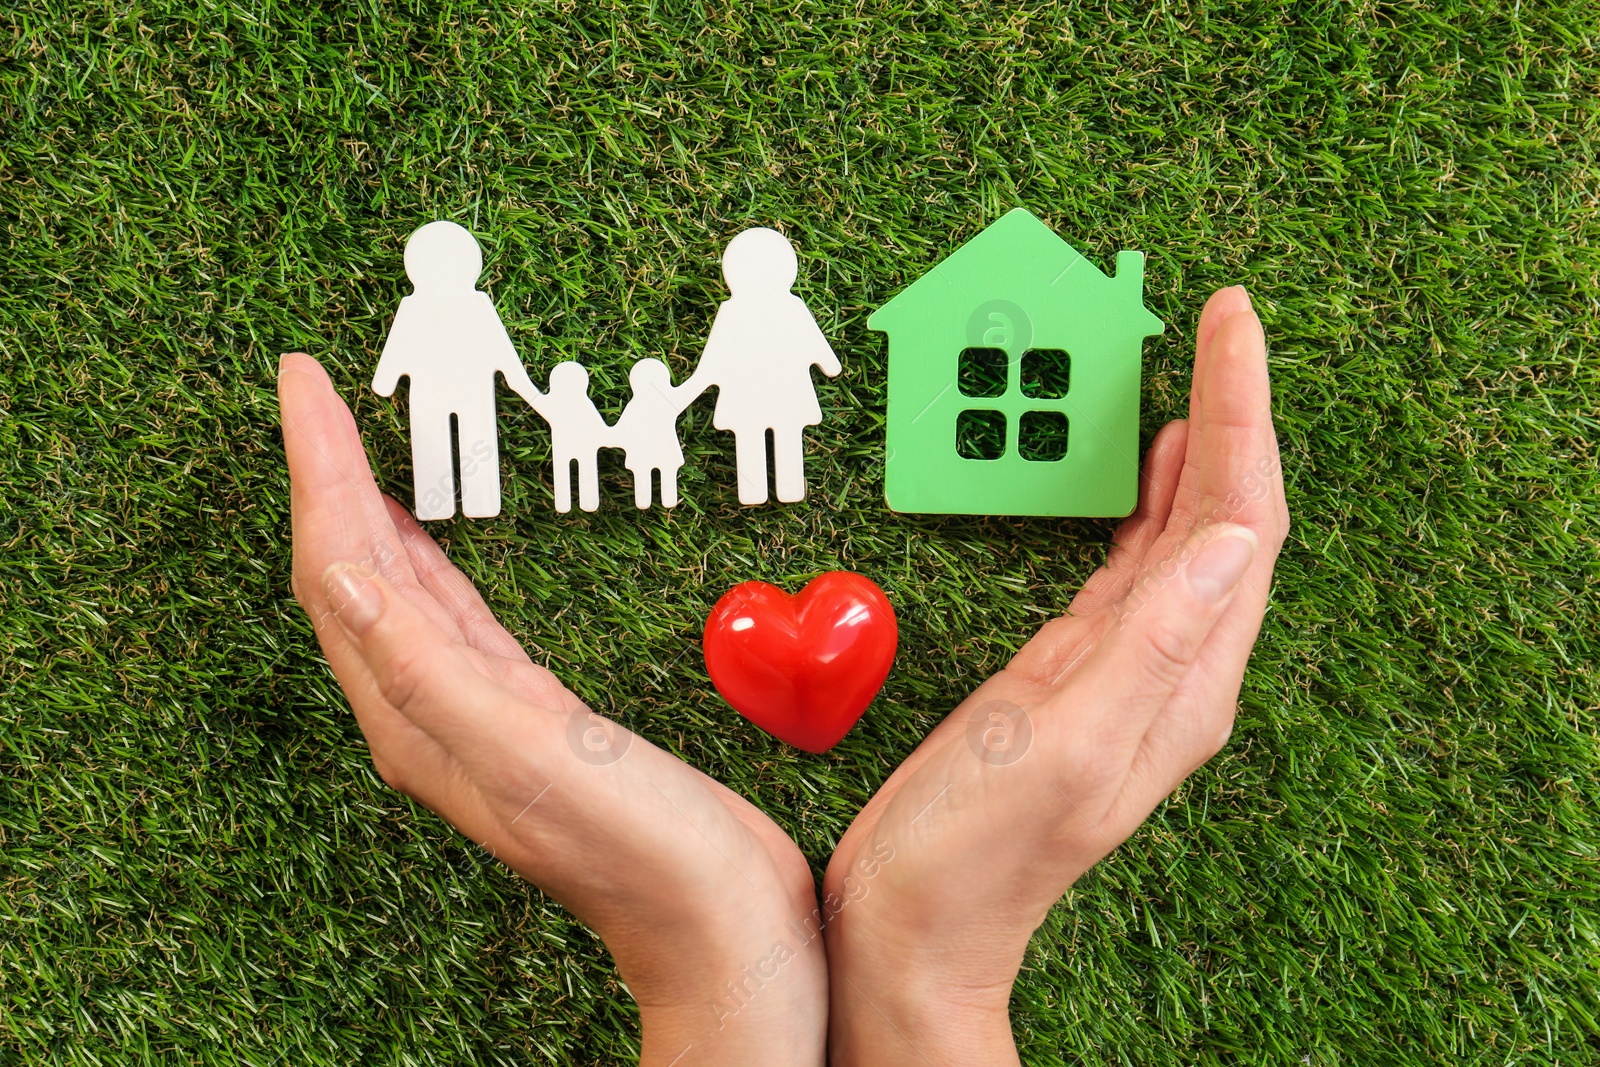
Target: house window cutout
column 981, row 372
column 1042, row 436
column 1046, row 373
column 981, row 434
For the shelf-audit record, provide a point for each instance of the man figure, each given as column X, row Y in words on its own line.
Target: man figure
column 448, row 340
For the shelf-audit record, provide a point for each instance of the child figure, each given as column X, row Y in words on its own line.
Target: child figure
column 577, row 433
column 449, row 341
column 647, row 431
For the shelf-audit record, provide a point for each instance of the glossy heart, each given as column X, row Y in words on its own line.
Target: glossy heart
column 803, row 667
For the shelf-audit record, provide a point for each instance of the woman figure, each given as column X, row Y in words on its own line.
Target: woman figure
column 762, row 347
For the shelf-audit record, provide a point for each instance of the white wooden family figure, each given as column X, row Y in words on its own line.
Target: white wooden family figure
column 448, row 340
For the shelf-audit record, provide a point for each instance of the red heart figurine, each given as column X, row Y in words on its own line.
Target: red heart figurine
column 804, row 667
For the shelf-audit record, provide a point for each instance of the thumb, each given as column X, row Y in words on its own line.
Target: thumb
column 420, row 671
column 1163, row 623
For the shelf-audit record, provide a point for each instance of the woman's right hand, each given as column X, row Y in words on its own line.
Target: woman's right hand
column 701, row 898
column 942, row 879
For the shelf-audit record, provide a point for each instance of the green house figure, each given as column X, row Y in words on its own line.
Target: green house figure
column 1014, row 379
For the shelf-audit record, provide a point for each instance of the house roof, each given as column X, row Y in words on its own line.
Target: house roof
column 1019, row 251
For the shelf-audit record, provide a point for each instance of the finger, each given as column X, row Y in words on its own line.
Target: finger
column 451, row 589
column 331, row 520
column 405, row 757
column 428, row 679
column 1158, row 633
column 1232, row 471
column 1163, row 465
column 1235, row 439
column 1191, row 728
column 1197, row 720
column 336, row 510
column 1223, row 305
column 1233, row 475
column 490, row 648
column 335, row 506
column 1051, row 652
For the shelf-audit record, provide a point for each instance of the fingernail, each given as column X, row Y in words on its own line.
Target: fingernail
column 1221, row 562
column 355, row 600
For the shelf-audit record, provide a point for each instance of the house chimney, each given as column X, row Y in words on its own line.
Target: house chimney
column 1130, row 273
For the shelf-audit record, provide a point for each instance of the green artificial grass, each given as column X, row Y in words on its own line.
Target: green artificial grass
column 1393, row 861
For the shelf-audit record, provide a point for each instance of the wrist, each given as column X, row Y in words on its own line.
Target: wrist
column 908, row 997
column 914, row 1024
column 730, row 994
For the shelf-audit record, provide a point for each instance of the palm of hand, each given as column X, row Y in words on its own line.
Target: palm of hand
column 1054, row 761
column 628, row 845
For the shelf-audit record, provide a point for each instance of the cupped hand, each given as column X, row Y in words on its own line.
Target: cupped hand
column 936, row 888
column 702, row 900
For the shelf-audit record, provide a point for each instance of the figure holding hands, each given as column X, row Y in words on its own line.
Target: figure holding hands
column 577, row 433
column 762, row 347
column 647, row 431
column 448, row 340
